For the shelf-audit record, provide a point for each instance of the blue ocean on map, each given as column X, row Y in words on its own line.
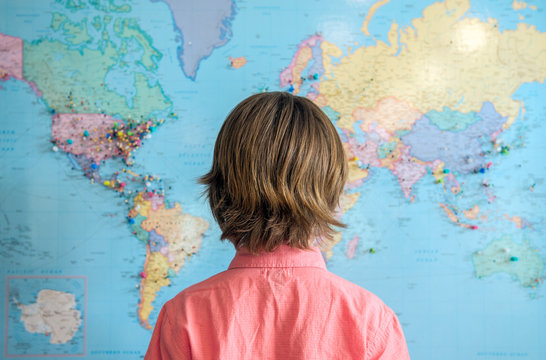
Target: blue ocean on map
column 429, row 199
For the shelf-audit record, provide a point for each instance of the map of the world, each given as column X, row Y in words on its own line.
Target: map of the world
column 109, row 110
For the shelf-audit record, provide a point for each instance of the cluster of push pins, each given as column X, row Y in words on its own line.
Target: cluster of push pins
column 115, row 183
column 119, row 140
column 128, row 135
column 310, row 77
column 149, row 181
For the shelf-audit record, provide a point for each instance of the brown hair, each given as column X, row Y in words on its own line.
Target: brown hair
column 277, row 174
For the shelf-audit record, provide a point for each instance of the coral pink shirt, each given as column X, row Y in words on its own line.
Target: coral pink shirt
column 278, row 305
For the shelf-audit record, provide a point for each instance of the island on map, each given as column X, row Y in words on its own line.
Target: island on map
column 53, row 314
column 200, row 35
column 507, row 256
column 237, row 62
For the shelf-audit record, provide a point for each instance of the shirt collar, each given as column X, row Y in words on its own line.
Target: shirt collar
column 283, row 256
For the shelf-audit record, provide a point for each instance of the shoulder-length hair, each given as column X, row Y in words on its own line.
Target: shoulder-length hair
column 278, row 171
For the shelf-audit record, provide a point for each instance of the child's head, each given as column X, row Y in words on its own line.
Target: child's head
column 277, row 174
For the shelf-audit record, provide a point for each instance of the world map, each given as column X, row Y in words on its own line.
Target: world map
column 110, row 110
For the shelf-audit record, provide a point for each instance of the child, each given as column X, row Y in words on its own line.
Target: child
column 277, row 174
